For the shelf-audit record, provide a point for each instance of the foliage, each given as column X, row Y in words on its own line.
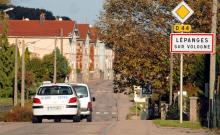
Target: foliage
column 18, row 114
column 19, row 13
column 173, row 112
column 192, row 90
column 6, row 63
column 5, row 1
column 138, row 31
column 63, row 68
column 6, row 101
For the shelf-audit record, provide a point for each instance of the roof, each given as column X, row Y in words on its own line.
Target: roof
column 93, row 33
column 79, row 84
column 46, row 28
column 83, row 30
column 55, row 84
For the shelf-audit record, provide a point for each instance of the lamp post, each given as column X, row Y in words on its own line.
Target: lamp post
column 23, row 71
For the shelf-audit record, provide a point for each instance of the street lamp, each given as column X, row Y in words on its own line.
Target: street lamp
column 23, row 70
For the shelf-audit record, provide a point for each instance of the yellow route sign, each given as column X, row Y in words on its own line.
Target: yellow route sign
column 182, row 12
column 182, row 28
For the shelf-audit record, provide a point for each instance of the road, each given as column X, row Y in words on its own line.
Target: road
column 108, row 120
column 104, row 115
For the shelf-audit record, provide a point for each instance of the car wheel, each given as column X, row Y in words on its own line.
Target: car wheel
column 57, row 120
column 89, row 118
column 36, row 119
column 76, row 118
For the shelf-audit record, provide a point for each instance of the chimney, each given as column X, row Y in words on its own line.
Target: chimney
column 42, row 17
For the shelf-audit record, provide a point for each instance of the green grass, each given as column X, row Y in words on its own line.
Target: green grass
column 132, row 109
column 176, row 123
column 6, row 101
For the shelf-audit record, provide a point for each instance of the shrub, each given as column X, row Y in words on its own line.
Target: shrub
column 19, row 114
column 173, row 112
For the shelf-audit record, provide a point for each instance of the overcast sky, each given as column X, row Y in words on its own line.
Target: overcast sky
column 83, row 11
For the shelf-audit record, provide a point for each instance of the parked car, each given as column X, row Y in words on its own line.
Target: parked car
column 55, row 101
column 84, row 95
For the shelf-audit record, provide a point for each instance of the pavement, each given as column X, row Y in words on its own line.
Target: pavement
column 144, row 127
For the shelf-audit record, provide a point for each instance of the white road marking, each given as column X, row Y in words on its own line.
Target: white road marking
column 113, row 113
column 97, row 112
column 103, row 91
column 106, row 112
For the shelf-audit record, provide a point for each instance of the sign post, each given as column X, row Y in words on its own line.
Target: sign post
column 182, row 12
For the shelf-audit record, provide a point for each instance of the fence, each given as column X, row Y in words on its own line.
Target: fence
column 216, row 111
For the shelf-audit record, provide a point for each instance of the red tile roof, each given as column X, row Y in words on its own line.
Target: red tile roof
column 93, row 33
column 47, row 28
column 83, row 30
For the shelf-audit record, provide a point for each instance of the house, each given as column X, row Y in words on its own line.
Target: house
column 87, row 55
column 41, row 36
column 83, row 50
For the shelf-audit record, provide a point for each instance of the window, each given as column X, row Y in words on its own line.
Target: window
column 81, row 90
column 55, row 90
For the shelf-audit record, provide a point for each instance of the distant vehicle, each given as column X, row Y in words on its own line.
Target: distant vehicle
column 84, row 95
column 55, row 101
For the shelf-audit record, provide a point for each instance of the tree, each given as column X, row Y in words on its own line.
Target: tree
column 5, row 1
column 138, row 31
column 6, row 63
column 63, row 68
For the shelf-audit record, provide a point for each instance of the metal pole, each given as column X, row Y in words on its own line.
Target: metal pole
column 171, row 79
column 16, row 73
column 23, row 74
column 171, row 76
column 181, row 88
column 213, row 60
column 55, row 62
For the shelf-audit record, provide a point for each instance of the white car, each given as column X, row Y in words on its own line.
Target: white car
column 56, row 101
column 83, row 92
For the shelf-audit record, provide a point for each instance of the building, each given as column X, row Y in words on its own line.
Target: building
column 79, row 43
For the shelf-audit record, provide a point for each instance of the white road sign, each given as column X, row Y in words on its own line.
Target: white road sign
column 192, row 43
column 182, row 12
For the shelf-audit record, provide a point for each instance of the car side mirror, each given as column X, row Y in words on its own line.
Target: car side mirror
column 93, row 99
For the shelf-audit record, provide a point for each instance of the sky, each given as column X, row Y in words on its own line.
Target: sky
column 82, row 11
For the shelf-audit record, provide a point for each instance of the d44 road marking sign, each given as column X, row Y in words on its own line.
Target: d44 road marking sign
column 182, row 12
column 182, row 28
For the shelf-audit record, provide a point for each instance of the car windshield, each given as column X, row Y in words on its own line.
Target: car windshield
column 81, row 90
column 55, row 90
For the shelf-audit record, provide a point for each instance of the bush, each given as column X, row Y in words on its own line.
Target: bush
column 173, row 112
column 19, row 114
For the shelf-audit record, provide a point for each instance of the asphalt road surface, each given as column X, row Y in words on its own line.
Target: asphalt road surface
column 109, row 112
column 104, row 117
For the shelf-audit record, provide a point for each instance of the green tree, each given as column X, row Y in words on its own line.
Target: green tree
column 63, row 68
column 6, row 63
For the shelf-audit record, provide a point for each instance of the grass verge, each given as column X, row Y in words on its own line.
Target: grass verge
column 6, row 101
column 176, row 123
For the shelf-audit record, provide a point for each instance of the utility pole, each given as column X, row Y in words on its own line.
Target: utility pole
column 171, row 76
column 55, row 62
column 213, row 61
column 61, row 40
column 23, row 75
column 171, row 79
column 16, row 74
